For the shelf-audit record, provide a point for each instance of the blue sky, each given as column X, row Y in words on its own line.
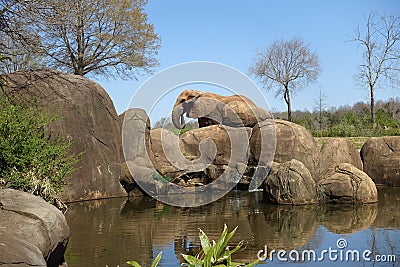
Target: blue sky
column 231, row 32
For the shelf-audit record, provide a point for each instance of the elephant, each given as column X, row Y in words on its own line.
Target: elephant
column 211, row 109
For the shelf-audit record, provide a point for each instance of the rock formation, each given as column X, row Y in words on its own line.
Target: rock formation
column 336, row 151
column 292, row 142
column 135, row 128
column 381, row 158
column 344, row 183
column 87, row 118
column 32, row 232
column 290, row 183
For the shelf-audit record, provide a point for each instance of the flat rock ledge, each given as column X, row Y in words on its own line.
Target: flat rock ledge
column 32, row 231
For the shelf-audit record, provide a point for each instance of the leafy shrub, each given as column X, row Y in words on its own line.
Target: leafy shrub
column 215, row 253
column 29, row 160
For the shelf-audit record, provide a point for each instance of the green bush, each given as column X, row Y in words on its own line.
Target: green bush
column 29, row 160
column 216, row 253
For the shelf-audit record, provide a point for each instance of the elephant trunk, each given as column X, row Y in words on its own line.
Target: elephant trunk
column 177, row 117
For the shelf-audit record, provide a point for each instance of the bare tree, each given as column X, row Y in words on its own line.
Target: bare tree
column 17, row 41
column 18, row 57
column 286, row 66
column 101, row 37
column 319, row 108
column 379, row 39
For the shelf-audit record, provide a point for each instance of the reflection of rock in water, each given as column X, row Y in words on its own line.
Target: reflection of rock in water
column 114, row 231
column 389, row 202
column 346, row 219
column 283, row 227
column 134, row 205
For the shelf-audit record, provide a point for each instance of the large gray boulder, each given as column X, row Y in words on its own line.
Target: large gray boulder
column 135, row 151
column 344, row 183
column 230, row 144
column 32, row 232
column 290, row 141
column 88, row 119
column 164, row 150
column 336, row 151
column 381, row 158
column 290, row 183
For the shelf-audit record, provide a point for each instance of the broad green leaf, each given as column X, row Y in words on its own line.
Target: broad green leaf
column 157, row 259
column 237, row 247
column 133, row 263
column 192, row 260
column 229, row 236
column 205, row 242
column 223, row 242
column 208, row 257
column 219, row 246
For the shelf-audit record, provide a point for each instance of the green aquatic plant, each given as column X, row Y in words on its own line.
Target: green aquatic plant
column 154, row 264
column 212, row 254
column 216, row 253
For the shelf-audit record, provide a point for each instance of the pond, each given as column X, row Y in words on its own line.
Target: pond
column 113, row 231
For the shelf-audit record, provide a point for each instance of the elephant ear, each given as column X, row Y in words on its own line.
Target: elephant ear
column 206, row 107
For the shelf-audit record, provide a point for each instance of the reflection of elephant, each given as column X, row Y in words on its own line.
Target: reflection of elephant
column 210, row 108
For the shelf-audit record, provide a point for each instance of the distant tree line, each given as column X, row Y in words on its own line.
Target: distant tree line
column 348, row 120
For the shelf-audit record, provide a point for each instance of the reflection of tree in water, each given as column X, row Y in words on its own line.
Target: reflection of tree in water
column 384, row 241
column 102, row 234
column 183, row 245
column 389, row 202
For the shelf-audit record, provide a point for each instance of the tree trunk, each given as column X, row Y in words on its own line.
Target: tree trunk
column 80, row 40
column 286, row 96
column 371, row 87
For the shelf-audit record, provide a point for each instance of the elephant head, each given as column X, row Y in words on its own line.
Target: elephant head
column 183, row 104
column 207, row 107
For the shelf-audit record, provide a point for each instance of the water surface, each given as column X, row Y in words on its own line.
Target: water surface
column 111, row 232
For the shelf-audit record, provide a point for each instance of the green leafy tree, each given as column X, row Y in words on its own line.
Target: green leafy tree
column 29, row 161
column 100, row 37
